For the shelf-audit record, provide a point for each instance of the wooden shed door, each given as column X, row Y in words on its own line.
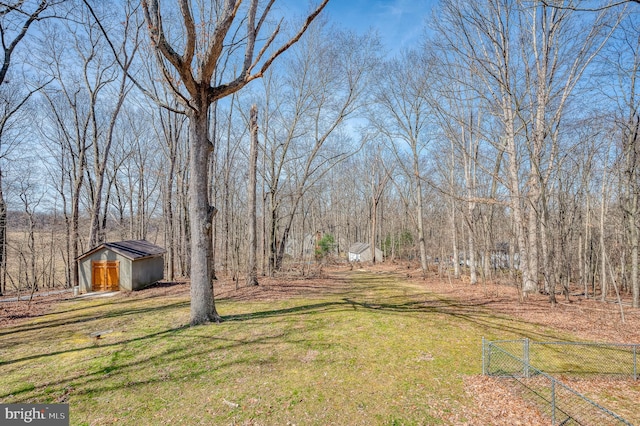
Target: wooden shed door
column 105, row 275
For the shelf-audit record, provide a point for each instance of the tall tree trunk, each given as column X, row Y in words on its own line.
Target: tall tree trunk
column 282, row 244
column 377, row 190
column 587, row 252
column 632, row 209
column 372, row 236
column 252, row 268
column 169, row 228
column 75, row 212
column 471, row 255
column 264, row 241
column 454, row 231
column 634, row 240
column 515, row 198
column 273, row 233
column 603, row 248
column 201, row 215
column 3, row 241
column 470, row 179
column 631, row 216
column 548, row 253
column 454, row 238
column 420, row 213
column 532, row 247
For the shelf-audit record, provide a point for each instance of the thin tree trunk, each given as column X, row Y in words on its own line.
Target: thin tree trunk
column 632, row 208
column 420, row 214
column 374, row 217
column 603, row 253
column 454, row 238
column 454, row 231
column 252, row 268
column 273, row 229
column 471, row 255
column 3, row 241
column 470, row 178
column 532, row 247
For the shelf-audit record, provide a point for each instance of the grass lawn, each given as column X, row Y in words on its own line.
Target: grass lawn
column 370, row 350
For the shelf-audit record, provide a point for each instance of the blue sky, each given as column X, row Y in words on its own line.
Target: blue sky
column 400, row 23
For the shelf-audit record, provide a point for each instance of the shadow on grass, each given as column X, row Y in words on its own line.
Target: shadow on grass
column 370, row 295
column 313, row 308
column 59, row 322
column 470, row 313
column 173, row 359
column 91, row 347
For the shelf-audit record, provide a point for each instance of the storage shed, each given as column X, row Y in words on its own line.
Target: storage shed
column 122, row 265
column 361, row 252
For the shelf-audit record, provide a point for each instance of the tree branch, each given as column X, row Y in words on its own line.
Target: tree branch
column 215, row 48
column 291, row 42
column 140, row 87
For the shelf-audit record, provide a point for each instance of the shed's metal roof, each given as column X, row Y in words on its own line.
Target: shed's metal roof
column 358, row 248
column 131, row 249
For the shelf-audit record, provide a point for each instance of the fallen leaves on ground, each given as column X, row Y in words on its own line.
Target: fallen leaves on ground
column 495, row 404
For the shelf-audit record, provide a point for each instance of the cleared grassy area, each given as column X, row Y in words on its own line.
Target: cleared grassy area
column 377, row 351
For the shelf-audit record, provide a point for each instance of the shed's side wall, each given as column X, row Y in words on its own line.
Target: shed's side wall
column 365, row 256
column 147, row 272
column 84, row 269
column 379, row 254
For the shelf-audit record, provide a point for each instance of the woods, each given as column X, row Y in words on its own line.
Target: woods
column 501, row 147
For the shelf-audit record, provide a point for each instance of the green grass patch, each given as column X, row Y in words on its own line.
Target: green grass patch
column 382, row 352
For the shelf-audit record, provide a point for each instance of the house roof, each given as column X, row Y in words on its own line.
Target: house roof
column 131, row 249
column 358, row 248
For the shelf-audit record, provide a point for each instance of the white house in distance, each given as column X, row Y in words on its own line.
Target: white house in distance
column 122, row 265
column 361, row 252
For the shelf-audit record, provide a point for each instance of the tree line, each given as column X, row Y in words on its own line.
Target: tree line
column 502, row 146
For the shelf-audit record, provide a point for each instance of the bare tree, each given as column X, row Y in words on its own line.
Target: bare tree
column 12, row 100
column 402, row 115
column 624, row 57
column 79, row 110
column 169, row 129
column 101, row 148
column 16, row 17
column 195, row 61
column 304, row 120
column 378, row 180
column 529, row 59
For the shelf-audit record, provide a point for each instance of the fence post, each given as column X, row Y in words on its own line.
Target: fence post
column 553, row 402
column 525, row 355
column 484, row 368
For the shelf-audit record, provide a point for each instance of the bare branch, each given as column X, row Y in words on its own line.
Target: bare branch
column 215, row 48
column 555, row 5
column 291, row 42
column 125, row 68
column 8, row 50
column 190, row 28
column 153, row 17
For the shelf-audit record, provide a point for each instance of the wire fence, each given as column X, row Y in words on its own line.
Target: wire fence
column 529, row 365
